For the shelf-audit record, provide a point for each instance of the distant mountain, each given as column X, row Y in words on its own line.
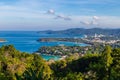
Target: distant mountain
column 78, row 31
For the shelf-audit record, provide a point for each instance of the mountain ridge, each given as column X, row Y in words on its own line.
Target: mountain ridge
column 78, row 31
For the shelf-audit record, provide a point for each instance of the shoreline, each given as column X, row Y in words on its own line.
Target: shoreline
column 60, row 57
column 72, row 40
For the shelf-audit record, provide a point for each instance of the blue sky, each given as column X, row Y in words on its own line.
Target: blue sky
column 58, row 14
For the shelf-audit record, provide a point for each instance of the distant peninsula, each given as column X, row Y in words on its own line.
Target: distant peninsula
column 59, row 39
column 77, row 40
column 94, row 36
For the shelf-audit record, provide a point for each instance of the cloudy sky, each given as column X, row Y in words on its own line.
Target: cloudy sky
column 58, row 14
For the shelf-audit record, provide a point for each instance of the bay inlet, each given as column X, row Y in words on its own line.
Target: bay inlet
column 26, row 41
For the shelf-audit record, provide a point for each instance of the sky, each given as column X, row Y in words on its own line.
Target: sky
column 58, row 14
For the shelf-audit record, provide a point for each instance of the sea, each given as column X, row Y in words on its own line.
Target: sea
column 26, row 41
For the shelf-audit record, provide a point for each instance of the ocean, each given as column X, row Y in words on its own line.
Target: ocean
column 26, row 41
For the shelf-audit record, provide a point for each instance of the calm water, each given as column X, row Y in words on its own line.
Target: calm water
column 26, row 41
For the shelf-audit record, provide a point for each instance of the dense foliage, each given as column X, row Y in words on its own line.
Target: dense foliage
column 69, row 50
column 14, row 62
column 16, row 65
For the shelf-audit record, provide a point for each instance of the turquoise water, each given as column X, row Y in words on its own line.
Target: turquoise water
column 26, row 41
column 48, row 57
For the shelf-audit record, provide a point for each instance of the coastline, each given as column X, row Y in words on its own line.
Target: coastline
column 52, row 57
column 74, row 40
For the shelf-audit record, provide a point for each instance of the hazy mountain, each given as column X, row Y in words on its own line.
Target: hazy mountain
column 78, row 31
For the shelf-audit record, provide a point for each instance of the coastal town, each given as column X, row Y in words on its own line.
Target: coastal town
column 99, row 38
column 96, row 38
column 95, row 45
column 59, row 39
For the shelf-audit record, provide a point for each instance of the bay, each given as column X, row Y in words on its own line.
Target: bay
column 26, row 41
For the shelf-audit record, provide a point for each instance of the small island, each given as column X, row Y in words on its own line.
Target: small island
column 2, row 40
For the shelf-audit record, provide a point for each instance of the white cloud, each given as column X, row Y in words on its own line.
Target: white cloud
column 95, row 17
column 63, row 17
column 85, row 22
column 50, row 11
column 94, row 22
column 38, row 22
column 67, row 18
column 31, row 13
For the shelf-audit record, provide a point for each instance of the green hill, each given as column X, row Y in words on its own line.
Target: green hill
column 16, row 65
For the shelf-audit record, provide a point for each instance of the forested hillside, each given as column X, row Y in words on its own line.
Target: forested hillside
column 16, row 65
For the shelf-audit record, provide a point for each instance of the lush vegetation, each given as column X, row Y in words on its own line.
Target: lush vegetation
column 69, row 50
column 13, row 62
column 15, row 65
